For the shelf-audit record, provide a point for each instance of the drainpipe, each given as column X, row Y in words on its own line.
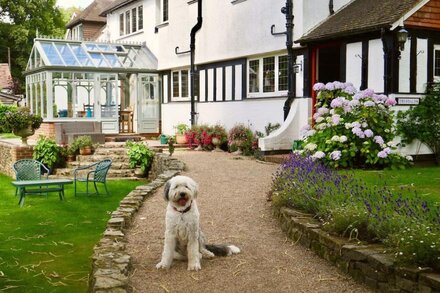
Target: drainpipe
column 193, row 73
column 291, row 83
column 330, row 7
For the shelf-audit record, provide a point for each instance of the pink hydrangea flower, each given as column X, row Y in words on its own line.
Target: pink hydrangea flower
column 335, row 155
column 336, row 119
column 318, row 87
column 336, row 103
column 390, row 102
column 369, row 104
column 368, row 133
column 379, row 140
column 330, row 86
column 323, row 110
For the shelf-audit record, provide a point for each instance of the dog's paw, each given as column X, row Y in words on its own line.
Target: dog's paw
column 207, row 254
column 163, row 265
column 194, row 266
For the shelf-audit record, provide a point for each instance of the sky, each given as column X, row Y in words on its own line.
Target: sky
column 76, row 3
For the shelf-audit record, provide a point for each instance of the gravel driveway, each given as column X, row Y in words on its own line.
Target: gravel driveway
column 234, row 210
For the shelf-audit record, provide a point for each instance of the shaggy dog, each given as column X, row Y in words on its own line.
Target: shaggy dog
column 183, row 237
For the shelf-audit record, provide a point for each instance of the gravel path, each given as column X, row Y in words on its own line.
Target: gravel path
column 233, row 208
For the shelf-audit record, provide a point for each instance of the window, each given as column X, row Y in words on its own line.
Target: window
column 127, row 22
column 437, row 63
column 267, row 76
column 164, row 10
column 133, row 20
column 180, row 82
column 121, row 24
column 140, row 17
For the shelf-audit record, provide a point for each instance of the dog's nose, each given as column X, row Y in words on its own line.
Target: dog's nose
column 182, row 194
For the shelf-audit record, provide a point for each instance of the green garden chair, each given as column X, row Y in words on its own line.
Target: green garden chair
column 98, row 174
column 28, row 169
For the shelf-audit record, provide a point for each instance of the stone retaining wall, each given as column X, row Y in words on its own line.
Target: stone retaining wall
column 9, row 153
column 110, row 262
column 365, row 263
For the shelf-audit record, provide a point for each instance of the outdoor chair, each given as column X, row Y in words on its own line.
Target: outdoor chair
column 28, row 169
column 97, row 174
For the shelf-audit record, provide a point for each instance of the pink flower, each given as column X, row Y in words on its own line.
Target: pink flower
column 379, row 140
column 368, row 133
column 390, row 102
column 382, row 154
column 316, row 115
column 318, row 87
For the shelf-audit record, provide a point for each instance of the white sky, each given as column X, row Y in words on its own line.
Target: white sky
column 76, row 3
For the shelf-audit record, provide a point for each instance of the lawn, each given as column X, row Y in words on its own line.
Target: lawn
column 8, row 135
column 424, row 180
column 46, row 245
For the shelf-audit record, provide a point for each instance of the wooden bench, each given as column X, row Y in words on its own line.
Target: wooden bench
column 40, row 187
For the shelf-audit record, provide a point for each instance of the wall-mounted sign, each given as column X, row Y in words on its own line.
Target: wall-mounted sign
column 408, row 101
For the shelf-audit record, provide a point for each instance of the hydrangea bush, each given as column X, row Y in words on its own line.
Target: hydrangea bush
column 352, row 129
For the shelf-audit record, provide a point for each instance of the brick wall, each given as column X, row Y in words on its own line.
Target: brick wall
column 46, row 129
column 11, row 153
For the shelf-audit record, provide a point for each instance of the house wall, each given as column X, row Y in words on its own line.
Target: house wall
column 314, row 12
column 375, row 65
column 91, row 30
column 354, row 64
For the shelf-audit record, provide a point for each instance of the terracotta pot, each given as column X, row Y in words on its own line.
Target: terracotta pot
column 181, row 139
column 24, row 134
column 71, row 158
column 85, row 151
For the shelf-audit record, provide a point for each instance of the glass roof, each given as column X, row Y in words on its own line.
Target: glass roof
column 95, row 56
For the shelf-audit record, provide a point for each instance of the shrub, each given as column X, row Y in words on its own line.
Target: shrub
column 242, row 137
column 422, row 122
column 352, row 129
column 48, row 152
column 202, row 135
column 181, row 128
column 139, row 155
column 22, row 119
column 348, row 206
column 3, row 110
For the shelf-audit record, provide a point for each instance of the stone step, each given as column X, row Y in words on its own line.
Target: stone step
column 115, row 165
column 110, row 151
column 66, row 172
column 97, row 158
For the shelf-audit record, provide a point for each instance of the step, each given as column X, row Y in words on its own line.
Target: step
column 66, row 172
column 115, row 165
column 111, row 151
column 97, row 158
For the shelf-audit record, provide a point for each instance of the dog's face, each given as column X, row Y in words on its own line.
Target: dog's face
column 180, row 191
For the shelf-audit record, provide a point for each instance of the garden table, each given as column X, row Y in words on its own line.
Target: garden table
column 44, row 186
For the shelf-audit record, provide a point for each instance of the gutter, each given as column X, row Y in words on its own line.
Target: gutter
column 193, row 73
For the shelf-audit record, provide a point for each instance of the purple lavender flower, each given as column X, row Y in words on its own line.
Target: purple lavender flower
column 335, row 155
column 317, row 87
column 368, row 133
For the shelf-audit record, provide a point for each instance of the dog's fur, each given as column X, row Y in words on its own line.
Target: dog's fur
column 183, row 237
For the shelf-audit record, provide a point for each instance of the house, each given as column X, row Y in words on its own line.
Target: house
column 7, row 86
column 241, row 61
column 87, row 24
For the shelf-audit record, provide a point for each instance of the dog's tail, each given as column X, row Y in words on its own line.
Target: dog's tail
column 222, row 250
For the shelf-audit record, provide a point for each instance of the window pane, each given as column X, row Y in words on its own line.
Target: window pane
column 65, row 53
column 121, row 24
column 51, row 54
column 164, row 10
column 283, row 64
column 437, row 63
column 254, row 73
column 176, row 84
column 133, row 21
column 184, row 83
column 140, row 17
column 269, row 74
column 127, row 22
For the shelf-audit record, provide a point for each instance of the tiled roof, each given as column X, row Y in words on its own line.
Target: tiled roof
column 92, row 13
column 115, row 5
column 360, row 16
column 5, row 76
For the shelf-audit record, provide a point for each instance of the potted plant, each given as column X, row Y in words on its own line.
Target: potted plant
column 47, row 152
column 23, row 123
column 219, row 137
column 71, row 153
column 180, row 133
column 84, row 144
column 239, row 137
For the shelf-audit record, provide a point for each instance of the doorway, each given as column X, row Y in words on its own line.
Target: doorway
column 329, row 64
column 148, row 106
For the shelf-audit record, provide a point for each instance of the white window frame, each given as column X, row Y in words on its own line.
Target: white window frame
column 179, row 97
column 435, row 78
column 260, row 93
column 130, row 21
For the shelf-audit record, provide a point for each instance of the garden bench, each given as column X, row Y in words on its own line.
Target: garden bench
column 67, row 132
column 42, row 187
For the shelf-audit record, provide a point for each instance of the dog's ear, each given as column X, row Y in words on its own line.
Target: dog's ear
column 167, row 190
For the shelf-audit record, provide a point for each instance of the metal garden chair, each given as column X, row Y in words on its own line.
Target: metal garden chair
column 28, row 169
column 98, row 174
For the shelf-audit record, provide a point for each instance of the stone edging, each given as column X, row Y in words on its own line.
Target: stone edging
column 110, row 262
column 365, row 263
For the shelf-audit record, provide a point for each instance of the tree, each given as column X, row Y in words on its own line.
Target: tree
column 19, row 22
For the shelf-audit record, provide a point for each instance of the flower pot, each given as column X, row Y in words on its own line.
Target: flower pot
column 24, row 134
column 216, row 142
column 239, row 144
column 180, row 138
column 71, row 158
column 85, row 151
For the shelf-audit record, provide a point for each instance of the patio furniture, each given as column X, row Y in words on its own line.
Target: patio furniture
column 126, row 121
column 43, row 187
column 97, row 174
column 28, row 169
column 66, row 132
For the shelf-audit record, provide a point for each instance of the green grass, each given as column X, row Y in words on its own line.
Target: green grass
column 8, row 135
column 46, row 246
column 424, row 180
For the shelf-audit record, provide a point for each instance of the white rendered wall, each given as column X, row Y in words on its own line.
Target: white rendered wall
column 404, row 68
column 375, row 65
column 354, row 64
column 315, row 11
column 253, row 113
column 422, row 61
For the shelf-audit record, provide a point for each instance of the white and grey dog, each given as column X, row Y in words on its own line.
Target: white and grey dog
column 183, row 237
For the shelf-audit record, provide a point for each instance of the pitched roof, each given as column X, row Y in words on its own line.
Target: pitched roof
column 92, row 13
column 8, row 98
column 5, row 76
column 115, row 5
column 360, row 16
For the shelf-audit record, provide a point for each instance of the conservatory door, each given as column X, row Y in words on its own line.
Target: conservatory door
column 148, row 104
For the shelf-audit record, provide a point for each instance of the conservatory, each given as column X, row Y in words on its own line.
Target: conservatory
column 113, row 83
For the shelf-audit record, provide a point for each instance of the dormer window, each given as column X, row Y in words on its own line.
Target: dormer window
column 131, row 21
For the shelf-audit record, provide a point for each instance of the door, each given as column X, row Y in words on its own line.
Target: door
column 148, row 106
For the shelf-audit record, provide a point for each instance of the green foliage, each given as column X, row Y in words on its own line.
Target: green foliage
column 80, row 142
column 139, row 154
column 269, row 128
column 21, row 119
column 422, row 122
column 353, row 129
column 3, row 110
column 21, row 21
column 47, row 152
column 57, row 236
column 242, row 137
column 181, row 128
